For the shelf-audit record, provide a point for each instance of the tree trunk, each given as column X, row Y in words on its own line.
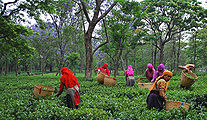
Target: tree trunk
column 89, row 55
column 135, row 63
column 161, row 53
column 51, row 67
column 178, row 52
column 117, row 60
column 16, row 65
column 155, row 55
column 152, row 55
column 31, row 66
column 174, row 55
column 194, row 58
column 6, row 67
column 122, row 64
column 126, row 58
column 1, row 67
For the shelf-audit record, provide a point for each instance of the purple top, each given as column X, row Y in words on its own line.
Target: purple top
column 158, row 72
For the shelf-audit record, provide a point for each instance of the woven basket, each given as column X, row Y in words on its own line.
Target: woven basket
column 176, row 104
column 186, row 81
column 109, row 81
column 143, row 85
column 100, row 77
column 42, row 90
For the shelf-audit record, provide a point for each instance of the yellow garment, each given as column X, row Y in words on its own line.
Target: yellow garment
column 166, row 72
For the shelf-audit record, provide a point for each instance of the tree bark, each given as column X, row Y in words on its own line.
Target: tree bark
column 195, row 54
column 152, row 55
column 178, row 52
column 6, row 67
column 89, row 55
column 16, row 65
column 1, row 67
column 161, row 53
column 155, row 55
column 174, row 55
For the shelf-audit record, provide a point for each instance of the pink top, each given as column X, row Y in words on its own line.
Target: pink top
column 129, row 71
column 149, row 72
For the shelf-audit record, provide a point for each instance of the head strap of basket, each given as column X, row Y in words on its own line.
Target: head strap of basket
column 166, row 72
column 190, row 65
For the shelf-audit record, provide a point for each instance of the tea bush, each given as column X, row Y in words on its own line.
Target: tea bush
column 97, row 101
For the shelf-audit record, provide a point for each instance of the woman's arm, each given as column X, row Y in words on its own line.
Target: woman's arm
column 162, row 85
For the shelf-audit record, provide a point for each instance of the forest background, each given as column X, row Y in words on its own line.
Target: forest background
column 172, row 32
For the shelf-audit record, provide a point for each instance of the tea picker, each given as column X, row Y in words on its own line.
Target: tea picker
column 157, row 96
column 70, row 82
column 187, row 76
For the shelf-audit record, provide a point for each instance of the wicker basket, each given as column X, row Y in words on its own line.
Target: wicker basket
column 100, row 77
column 143, row 85
column 176, row 104
column 186, row 81
column 109, row 81
column 42, row 90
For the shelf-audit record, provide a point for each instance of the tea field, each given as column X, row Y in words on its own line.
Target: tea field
column 97, row 101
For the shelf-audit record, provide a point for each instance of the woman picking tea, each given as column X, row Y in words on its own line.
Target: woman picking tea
column 157, row 95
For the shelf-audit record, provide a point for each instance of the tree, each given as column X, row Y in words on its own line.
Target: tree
column 96, row 17
column 168, row 18
column 10, row 15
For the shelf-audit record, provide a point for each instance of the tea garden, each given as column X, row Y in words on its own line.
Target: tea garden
column 97, row 101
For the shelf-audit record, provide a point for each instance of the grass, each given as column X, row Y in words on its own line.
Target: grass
column 97, row 101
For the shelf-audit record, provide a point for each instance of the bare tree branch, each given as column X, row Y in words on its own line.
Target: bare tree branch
column 5, row 5
column 107, row 39
column 85, row 10
column 156, row 46
column 97, row 10
column 106, row 12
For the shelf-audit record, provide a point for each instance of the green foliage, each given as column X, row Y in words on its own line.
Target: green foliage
column 97, row 101
column 73, row 58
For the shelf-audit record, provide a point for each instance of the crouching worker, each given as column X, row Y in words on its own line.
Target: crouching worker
column 70, row 82
column 129, row 76
column 157, row 95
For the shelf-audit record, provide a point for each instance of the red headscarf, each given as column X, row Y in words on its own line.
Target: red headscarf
column 104, row 69
column 68, row 78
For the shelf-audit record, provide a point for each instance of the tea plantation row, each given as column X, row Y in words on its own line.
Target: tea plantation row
column 97, row 101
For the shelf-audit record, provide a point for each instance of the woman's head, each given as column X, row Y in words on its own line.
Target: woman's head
column 105, row 65
column 129, row 67
column 167, row 75
column 150, row 66
column 65, row 70
column 161, row 67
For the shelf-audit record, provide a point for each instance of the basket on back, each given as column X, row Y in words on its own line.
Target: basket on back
column 142, row 84
column 100, row 77
column 187, row 81
column 109, row 81
column 176, row 104
column 42, row 90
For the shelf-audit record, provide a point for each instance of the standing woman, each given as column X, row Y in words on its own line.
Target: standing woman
column 70, row 82
column 158, row 72
column 104, row 69
column 149, row 72
column 129, row 76
column 157, row 95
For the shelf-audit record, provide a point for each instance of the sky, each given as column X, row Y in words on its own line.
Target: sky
column 204, row 4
